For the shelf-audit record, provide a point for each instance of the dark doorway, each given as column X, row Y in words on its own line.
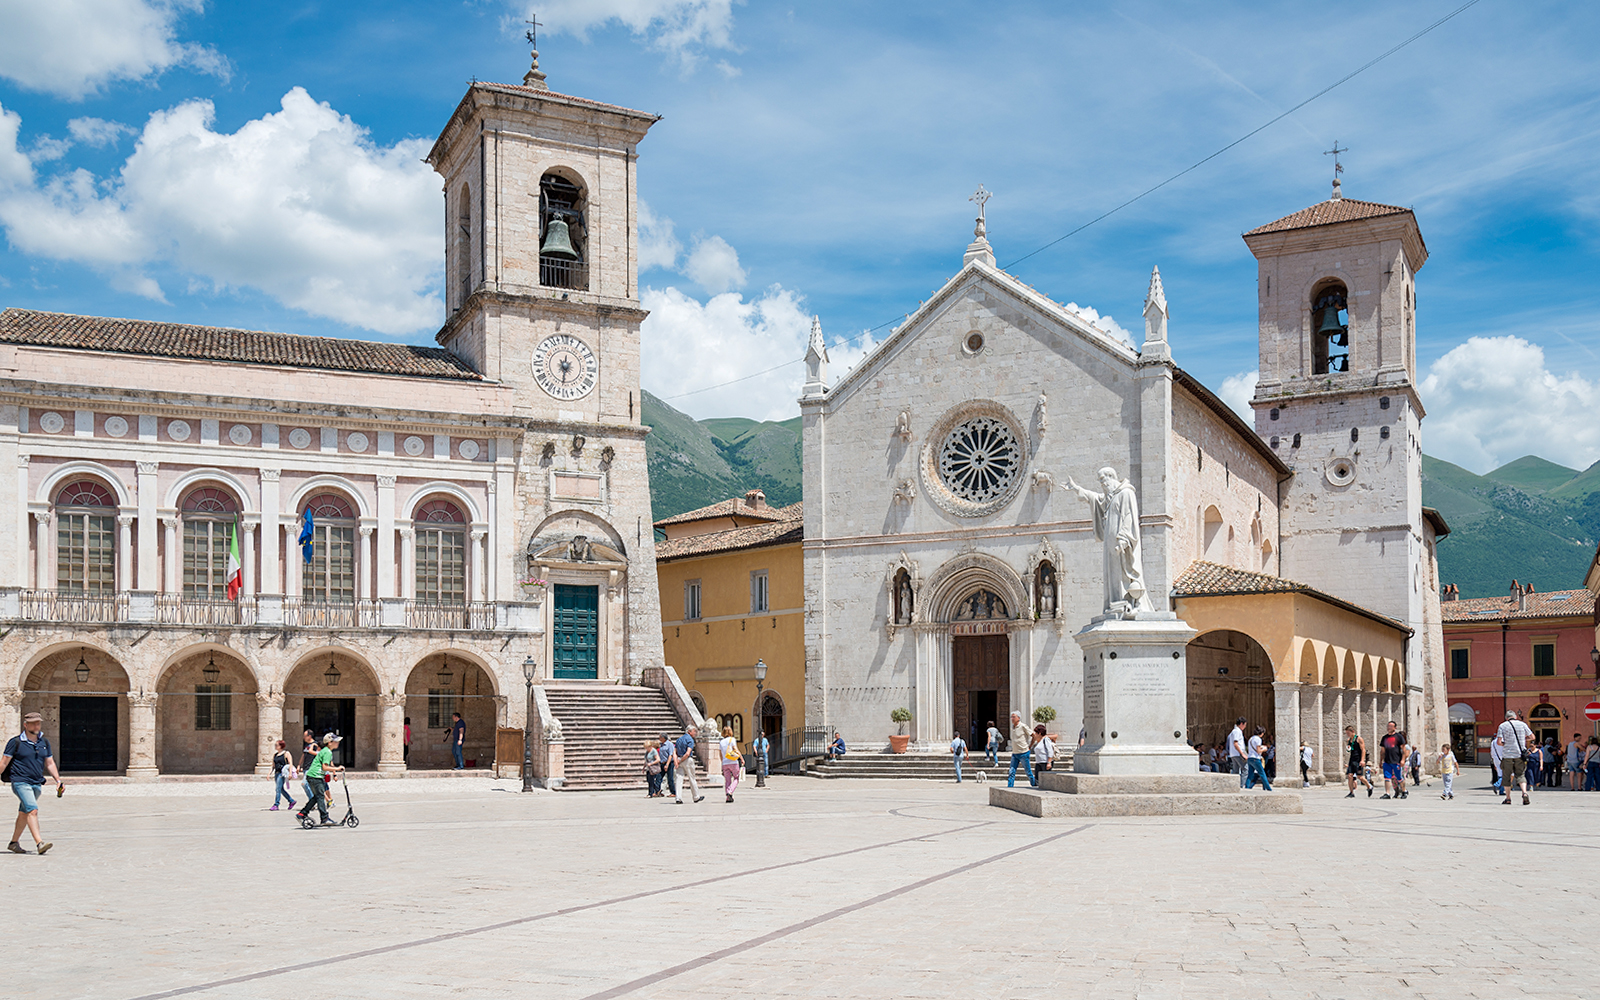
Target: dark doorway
column 771, row 717
column 1464, row 741
column 334, row 715
column 88, row 740
column 981, row 679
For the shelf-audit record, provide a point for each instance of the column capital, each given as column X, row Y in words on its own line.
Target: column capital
column 270, row 475
column 125, row 520
column 149, row 468
column 397, row 700
column 23, row 460
column 490, row 484
column 408, row 532
column 479, row 534
column 44, row 514
column 171, row 521
column 11, row 698
column 386, row 482
column 366, row 530
column 269, row 699
column 142, row 699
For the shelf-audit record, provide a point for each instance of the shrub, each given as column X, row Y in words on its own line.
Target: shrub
column 900, row 715
column 1044, row 714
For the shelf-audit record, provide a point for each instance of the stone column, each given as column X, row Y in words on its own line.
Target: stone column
column 269, row 729
column 1311, row 726
column 408, row 562
column 385, row 560
column 1333, row 732
column 247, row 555
column 364, row 564
column 41, row 542
column 271, row 580
column 142, row 736
column 292, row 562
column 1286, row 726
column 11, row 711
column 391, row 732
column 480, row 589
column 149, row 558
column 125, row 552
column 174, row 556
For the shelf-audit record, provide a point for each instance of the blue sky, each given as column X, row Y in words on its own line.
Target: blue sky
column 258, row 166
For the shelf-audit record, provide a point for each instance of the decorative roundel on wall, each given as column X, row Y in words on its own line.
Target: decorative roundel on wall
column 300, row 437
column 51, row 423
column 468, row 450
column 116, row 426
column 356, row 441
column 973, row 342
column 413, row 446
column 239, row 434
column 1340, row 470
column 974, row 460
column 178, row 430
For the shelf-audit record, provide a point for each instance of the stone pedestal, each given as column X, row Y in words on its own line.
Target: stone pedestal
column 1135, row 696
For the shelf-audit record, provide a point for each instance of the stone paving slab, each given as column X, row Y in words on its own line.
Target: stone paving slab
column 847, row 889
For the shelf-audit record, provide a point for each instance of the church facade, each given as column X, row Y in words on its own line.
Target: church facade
column 949, row 562
column 222, row 536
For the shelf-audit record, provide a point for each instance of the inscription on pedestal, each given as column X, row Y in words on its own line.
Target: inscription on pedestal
column 1148, row 681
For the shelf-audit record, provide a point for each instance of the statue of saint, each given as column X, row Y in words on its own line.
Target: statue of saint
column 1116, row 524
column 1047, row 593
column 902, row 599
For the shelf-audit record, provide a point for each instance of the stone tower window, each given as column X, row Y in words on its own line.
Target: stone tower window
column 1330, row 330
column 563, row 234
column 463, row 246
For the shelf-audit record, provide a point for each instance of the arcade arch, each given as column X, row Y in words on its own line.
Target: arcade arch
column 1230, row 674
column 332, row 689
column 440, row 684
column 206, row 713
column 82, row 692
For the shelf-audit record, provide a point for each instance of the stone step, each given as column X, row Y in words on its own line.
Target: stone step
column 604, row 727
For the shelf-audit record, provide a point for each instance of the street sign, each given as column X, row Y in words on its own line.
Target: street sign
column 1592, row 710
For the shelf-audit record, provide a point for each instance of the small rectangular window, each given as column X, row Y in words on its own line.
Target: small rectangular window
column 691, row 600
column 441, row 705
column 1460, row 661
column 1544, row 659
column 758, row 592
column 213, row 706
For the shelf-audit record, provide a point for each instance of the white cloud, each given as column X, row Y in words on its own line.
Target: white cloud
column 679, row 27
column 96, row 131
column 73, row 48
column 690, row 345
column 16, row 170
column 299, row 204
column 1238, row 390
column 657, row 246
column 1492, row 400
column 714, row 265
column 1103, row 323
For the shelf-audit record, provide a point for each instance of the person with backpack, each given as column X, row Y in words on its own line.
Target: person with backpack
column 317, row 775
column 1514, row 735
column 23, row 765
column 958, row 750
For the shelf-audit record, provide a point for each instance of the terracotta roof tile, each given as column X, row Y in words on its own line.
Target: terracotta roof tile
column 1555, row 604
column 750, row 537
column 211, row 343
column 1209, row 579
column 735, row 507
column 1327, row 213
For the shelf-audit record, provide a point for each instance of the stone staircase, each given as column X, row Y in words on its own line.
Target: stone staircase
column 605, row 726
column 933, row 766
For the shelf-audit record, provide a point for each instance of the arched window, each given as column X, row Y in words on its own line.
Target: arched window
column 563, row 234
column 210, row 516
column 732, row 721
column 330, row 576
column 86, row 523
column 441, row 553
column 1330, row 330
column 1211, row 536
column 464, row 246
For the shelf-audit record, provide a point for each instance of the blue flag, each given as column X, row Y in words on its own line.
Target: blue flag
column 305, row 537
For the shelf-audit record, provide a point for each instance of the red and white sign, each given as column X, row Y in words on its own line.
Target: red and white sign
column 1592, row 710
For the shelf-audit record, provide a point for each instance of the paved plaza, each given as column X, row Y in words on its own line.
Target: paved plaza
column 807, row 888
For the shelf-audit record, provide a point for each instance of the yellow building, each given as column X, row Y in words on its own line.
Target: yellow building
column 733, row 593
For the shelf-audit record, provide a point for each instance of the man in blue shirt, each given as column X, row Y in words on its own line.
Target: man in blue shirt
column 458, row 740
column 28, row 757
column 683, row 753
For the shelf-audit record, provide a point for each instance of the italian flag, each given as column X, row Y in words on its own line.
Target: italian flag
column 235, row 571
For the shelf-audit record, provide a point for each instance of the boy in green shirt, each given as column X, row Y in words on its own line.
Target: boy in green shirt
column 317, row 778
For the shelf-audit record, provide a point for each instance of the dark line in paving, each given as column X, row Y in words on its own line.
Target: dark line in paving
column 795, row 928
column 532, row 918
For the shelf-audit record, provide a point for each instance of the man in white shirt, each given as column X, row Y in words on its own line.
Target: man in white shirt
column 1254, row 762
column 1514, row 735
column 1306, row 756
column 958, row 750
column 1236, row 750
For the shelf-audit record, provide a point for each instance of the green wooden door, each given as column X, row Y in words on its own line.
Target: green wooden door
column 577, row 632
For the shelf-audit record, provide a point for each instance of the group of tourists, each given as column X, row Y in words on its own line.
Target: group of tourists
column 1031, row 749
column 1232, row 756
column 315, row 770
column 666, row 760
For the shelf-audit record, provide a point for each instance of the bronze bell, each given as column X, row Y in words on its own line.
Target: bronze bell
column 557, row 242
column 1330, row 321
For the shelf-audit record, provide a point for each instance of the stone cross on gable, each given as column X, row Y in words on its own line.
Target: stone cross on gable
column 979, row 197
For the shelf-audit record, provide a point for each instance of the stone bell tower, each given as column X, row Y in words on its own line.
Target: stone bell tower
column 1337, row 400
column 541, row 286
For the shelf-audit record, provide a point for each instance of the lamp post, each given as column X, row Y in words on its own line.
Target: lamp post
column 528, row 668
column 761, row 729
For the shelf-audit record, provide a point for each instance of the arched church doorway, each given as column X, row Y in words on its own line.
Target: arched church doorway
column 980, row 661
column 1230, row 675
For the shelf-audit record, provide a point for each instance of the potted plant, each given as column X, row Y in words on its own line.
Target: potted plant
column 900, row 741
column 533, row 587
column 1045, row 715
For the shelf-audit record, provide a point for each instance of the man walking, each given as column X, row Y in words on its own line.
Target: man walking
column 1393, row 744
column 1514, row 735
column 1306, row 757
column 683, row 755
column 958, row 750
column 1237, row 751
column 1021, row 750
column 458, row 740
column 317, row 777
column 1253, row 761
column 24, row 763
column 669, row 765
column 1355, row 767
column 994, row 739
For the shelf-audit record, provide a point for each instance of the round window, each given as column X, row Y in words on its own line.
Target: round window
column 1341, row 471
column 974, row 342
column 980, row 460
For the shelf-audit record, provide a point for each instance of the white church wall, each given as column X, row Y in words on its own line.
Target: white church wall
column 1212, row 467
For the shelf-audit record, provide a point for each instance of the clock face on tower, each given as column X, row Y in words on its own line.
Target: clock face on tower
column 565, row 367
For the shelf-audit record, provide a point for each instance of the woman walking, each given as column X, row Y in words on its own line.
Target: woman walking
column 652, row 769
column 1591, row 765
column 282, row 770
column 731, row 762
column 1044, row 752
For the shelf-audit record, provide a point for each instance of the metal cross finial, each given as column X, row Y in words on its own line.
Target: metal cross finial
column 980, row 196
column 1338, row 168
column 532, row 34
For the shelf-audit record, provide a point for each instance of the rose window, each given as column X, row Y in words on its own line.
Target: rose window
column 980, row 460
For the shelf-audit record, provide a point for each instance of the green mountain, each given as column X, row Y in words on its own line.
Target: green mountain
column 695, row 463
column 1529, row 520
